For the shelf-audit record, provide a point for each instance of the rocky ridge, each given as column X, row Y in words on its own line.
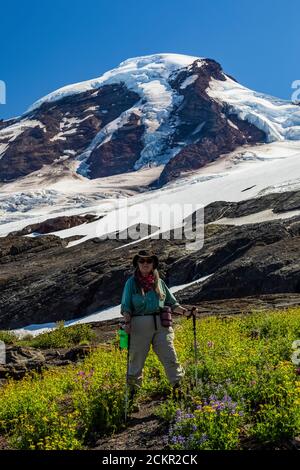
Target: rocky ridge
column 42, row 280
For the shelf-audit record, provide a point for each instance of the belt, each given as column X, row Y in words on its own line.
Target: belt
column 145, row 314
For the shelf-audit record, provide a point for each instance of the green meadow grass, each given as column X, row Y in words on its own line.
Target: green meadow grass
column 248, row 389
column 60, row 337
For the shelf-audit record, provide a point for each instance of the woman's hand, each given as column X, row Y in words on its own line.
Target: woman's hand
column 185, row 311
column 180, row 310
column 127, row 323
column 127, row 317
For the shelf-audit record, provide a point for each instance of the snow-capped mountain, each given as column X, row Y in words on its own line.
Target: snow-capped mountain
column 163, row 129
column 174, row 111
column 152, row 122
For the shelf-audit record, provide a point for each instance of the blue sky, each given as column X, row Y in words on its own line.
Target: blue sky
column 49, row 44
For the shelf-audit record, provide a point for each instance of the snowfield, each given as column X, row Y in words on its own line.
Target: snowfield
column 124, row 200
column 243, row 174
column 134, row 72
column 279, row 119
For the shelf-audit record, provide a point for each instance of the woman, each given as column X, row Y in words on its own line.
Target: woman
column 144, row 293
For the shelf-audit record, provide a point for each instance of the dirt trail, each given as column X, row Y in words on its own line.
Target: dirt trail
column 144, row 431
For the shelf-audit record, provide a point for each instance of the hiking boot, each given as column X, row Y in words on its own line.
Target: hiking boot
column 176, row 393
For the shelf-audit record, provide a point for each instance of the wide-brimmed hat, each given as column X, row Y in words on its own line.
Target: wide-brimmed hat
column 145, row 254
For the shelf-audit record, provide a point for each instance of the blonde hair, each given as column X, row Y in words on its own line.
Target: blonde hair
column 157, row 287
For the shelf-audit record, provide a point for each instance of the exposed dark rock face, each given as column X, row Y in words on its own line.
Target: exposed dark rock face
column 56, row 224
column 20, row 359
column 70, row 124
column 6, row 123
column 226, row 308
column 41, row 280
column 278, row 202
column 120, row 153
column 224, row 246
column 12, row 246
column 259, row 269
column 208, row 128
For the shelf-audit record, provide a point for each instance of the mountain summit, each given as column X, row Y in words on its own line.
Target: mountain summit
column 177, row 111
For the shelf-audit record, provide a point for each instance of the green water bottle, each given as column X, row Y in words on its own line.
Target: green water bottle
column 123, row 339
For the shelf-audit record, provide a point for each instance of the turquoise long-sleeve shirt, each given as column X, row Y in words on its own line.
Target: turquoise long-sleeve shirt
column 133, row 302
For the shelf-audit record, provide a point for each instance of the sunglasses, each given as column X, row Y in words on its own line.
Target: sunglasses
column 147, row 260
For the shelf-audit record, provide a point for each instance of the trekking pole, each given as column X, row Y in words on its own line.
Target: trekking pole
column 127, row 385
column 193, row 315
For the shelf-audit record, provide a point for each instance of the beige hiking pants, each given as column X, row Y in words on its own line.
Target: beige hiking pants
column 143, row 334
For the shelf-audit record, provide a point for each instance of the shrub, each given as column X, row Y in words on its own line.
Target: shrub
column 8, row 337
column 62, row 337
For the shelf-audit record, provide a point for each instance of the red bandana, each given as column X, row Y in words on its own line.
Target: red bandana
column 146, row 282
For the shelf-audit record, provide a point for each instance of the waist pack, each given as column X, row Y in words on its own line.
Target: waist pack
column 166, row 316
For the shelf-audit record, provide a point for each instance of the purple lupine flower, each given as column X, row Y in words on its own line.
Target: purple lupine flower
column 178, row 416
column 210, row 344
column 181, row 439
column 220, row 406
column 189, row 416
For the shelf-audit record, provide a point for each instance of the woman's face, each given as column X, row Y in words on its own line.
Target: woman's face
column 145, row 265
